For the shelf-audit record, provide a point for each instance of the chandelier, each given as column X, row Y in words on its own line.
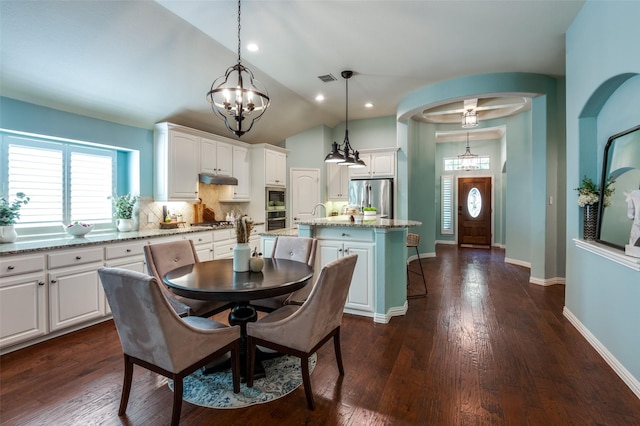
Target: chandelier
column 237, row 96
column 343, row 154
column 469, row 119
column 468, row 161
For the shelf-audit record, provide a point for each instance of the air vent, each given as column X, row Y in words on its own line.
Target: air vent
column 327, row 78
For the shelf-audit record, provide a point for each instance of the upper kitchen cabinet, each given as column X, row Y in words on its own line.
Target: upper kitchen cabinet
column 381, row 163
column 275, row 167
column 241, row 168
column 216, row 157
column 177, row 163
column 337, row 182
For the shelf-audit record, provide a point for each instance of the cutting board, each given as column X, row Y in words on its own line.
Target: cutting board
column 198, row 212
column 209, row 215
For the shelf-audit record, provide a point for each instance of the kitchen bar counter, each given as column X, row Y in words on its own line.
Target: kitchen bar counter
column 345, row 221
column 33, row 245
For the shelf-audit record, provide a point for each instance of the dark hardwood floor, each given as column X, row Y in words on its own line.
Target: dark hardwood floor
column 485, row 347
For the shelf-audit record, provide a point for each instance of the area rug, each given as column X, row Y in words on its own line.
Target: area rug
column 283, row 376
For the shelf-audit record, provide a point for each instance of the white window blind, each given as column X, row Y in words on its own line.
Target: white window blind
column 446, row 197
column 65, row 182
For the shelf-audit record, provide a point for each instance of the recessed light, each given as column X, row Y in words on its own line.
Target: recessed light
column 252, row 47
column 320, row 98
column 368, row 105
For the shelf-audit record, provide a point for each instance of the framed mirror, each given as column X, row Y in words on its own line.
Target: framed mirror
column 621, row 165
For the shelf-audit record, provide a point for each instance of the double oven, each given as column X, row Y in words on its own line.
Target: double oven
column 276, row 209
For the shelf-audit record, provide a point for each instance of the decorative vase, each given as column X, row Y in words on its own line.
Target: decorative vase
column 125, row 225
column 590, row 220
column 8, row 234
column 241, row 256
column 256, row 264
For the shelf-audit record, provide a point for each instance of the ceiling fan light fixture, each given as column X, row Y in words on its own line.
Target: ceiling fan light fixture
column 469, row 119
column 237, row 96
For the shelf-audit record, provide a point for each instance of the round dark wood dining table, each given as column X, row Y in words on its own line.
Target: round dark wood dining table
column 216, row 280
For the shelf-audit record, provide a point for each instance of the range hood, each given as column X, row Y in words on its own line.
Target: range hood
column 217, row 180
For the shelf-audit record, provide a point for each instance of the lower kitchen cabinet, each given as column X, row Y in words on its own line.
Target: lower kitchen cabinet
column 23, row 308
column 361, row 291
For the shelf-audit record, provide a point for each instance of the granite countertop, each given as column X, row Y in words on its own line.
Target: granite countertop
column 25, row 246
column 345, row 221
column 287, row 232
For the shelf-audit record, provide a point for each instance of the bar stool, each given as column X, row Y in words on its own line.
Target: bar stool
column 412, row 241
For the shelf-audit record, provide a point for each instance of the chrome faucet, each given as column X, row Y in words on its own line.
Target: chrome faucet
column 313, row 211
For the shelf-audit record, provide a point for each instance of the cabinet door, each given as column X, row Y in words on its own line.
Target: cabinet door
column 224, row 156
column 184, row 154
column 23, row 308
column 241, row 172
column 208, row 156
column 328, row 251
column 275, row 167
column 337, row 182
column 361, row 290
column 383, row 165
column 75, row 296
column 266, row 245
column 363, row 172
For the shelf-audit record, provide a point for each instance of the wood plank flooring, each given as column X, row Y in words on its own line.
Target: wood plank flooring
column 485, row 347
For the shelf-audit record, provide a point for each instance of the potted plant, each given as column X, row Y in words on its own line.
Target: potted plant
column 9, row 214
column 123, row 205
column 588, row 198
column 370, row 211
column 241, row 251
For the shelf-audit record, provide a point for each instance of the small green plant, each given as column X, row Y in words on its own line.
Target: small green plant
column 10, row 211
column 589, row 193
column 370, row 209
column 123, row 205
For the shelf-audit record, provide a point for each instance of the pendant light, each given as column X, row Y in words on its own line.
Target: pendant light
column 468, row 161
column 469, row 119
column 237, row 97
column 345, row 156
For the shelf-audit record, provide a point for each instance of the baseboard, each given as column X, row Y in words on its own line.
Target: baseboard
column 448, row 242
column 422, row 256
column 393, row 312
column 622, row 372
column 547, row 281
column 500, row 246
column 517, row 262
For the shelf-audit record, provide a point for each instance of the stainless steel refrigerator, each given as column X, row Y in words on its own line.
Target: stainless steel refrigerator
column 376, row 193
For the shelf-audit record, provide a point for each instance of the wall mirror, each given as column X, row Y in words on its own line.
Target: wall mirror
column 621, row 164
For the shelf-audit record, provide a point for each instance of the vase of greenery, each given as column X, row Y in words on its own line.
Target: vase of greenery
column 588, row 199
column 241, row 251
column 123, row 205
column 9, row 215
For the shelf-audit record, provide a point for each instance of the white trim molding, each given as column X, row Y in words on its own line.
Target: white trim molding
column 393, row 312
column 547, row 281
column 609, row 253
column 622, row 372
column 517, row 262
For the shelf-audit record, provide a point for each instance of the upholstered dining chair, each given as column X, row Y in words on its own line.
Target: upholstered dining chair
column 155, row 337
column 300, row 249
column 301, row 330
column 164, row 257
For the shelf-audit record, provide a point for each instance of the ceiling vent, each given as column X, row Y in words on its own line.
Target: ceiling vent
column 327, row 78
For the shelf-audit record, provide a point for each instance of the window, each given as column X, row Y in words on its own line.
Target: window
column 453, row 163
column 66, row 182
column 446, row 197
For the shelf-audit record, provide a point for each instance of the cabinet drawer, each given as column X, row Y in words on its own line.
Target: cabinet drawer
column 224, row 234
column 75, row 257
column 21, row 265
column 201, row 238
column 344, row 233
column 223, row 250
column 116, row 251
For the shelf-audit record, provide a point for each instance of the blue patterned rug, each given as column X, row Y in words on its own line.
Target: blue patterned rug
column 283, row 376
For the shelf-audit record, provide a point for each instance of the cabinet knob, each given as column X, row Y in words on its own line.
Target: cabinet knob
column 128, row 250
column 78, row 257
column 54, row 281
column 339, row 250
column 40, row 282
column 344, row 234
column 10, row 267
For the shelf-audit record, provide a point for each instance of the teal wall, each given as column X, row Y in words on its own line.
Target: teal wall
column 603, row 89
column 135, row 160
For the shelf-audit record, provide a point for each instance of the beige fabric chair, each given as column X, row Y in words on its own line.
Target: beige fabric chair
column 155, row 337
column 300, row 249
column 301, row 330
column 164, row 257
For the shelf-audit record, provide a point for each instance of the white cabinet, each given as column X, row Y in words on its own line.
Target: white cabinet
column 361, row 291
column 379, row 164
column 275, row 167
column 337, row 182
column 267, row 243
column 177, row 164
column 75, row 292
column 241, row 167
column 23, row 299
column 216, row 157
column 203, row 243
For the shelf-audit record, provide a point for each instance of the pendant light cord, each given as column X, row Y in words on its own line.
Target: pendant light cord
column 238, row 31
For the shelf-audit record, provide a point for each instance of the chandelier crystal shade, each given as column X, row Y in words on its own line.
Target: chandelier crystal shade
column 469, row 119
column 237, row 97
column 468, row 161
column 343, row 154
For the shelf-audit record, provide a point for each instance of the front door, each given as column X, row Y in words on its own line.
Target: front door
column 474, row 211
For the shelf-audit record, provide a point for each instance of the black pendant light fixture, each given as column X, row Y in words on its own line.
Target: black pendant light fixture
column 237, row 96
column 468, row 161
column 343, row 154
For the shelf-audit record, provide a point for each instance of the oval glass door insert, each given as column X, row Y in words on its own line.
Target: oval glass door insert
column 474, row 202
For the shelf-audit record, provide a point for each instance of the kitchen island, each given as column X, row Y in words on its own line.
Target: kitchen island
column 379, row 284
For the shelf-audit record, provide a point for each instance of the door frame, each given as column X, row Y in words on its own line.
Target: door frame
column 493, row 200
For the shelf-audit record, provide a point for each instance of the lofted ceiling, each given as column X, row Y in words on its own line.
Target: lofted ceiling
column 139, row 62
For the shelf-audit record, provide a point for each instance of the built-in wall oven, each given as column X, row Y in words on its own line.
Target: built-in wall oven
column 276, row 209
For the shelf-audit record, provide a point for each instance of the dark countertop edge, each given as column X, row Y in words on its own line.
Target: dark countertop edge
column 377, row 223
column 35, row 246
